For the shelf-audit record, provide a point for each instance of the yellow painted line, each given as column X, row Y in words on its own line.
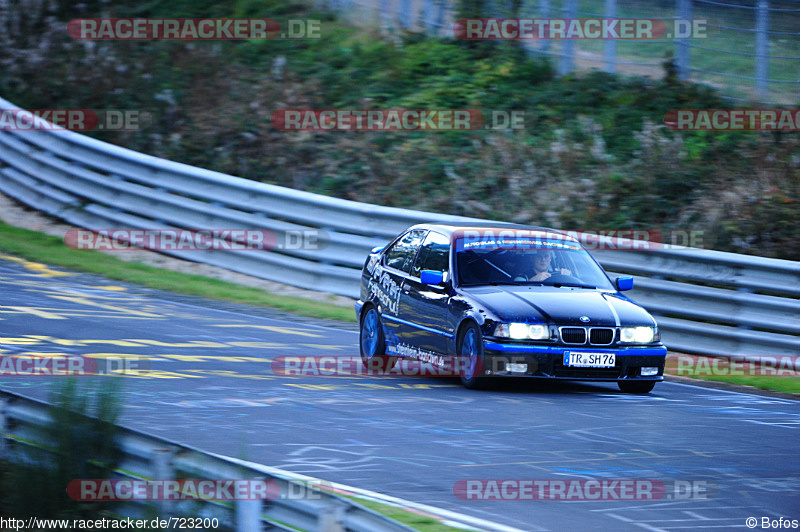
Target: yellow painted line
column 43, row 270
column 315, row 386
column 35, row 338
column 227, row 373
column 121, row 343
column 65, row 313
column 59, row 341
column 64, row 341
column 261, row 345
column 65, row 293
column 89, row 303
column 193, row 343
column 111, row 288
column 246, row 402
column 203, row 358
column 123, row 355
column 427, row 386
column 90, row 314
column 325, row 347
column 31, row 310
column 38, row 354
column 10, row 340
column 155, row 374
column 283, row 330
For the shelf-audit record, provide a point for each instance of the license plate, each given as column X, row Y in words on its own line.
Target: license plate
column 589, row 360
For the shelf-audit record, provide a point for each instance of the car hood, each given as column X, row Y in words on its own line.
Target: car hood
column 562, row 306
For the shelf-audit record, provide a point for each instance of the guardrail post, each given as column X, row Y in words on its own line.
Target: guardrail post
column 568, row 45
column 405, row 13
column 3, row 429
column 441, row 8
column 429, row 14
column 385, row 15
column 684, row 8
column 544, row 12
column 248, row 516
column 331, row 519
column 610, row 45
column 762, row 57
column 162, row 470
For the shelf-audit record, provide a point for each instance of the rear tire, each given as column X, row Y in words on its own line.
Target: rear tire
column 373, row 344
column 470, row 357
column 640, row 387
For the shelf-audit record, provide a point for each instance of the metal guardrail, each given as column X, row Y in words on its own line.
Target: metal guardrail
column 707, row 302
column 22, row 428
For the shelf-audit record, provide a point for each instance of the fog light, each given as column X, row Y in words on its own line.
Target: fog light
column 516, row 368
column 649, row 372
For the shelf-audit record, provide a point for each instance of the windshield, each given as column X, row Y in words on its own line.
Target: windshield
column 529, row 261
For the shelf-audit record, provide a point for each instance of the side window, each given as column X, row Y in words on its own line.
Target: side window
column 434, row 254
column 401, row 255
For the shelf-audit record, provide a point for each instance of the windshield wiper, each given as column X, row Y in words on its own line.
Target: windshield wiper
column 495, row 283
column 574, row 285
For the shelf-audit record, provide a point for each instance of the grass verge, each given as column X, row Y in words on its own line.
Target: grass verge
column 414, row 520
column 784, row 380
column 35, row 246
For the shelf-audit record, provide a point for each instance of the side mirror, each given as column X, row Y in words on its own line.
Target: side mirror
column 431, row 277
column 624, row 283
column 377, row 249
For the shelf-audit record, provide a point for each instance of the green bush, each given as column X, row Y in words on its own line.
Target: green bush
column 595, row 152
column 80, row 445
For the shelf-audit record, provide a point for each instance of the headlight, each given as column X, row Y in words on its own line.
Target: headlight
column 637, row 335
column 522, row 331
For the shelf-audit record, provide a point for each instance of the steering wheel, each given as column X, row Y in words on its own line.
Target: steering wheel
column 561, row 278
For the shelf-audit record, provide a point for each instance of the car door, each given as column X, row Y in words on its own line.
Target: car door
column 387, row 284
column 424, row 307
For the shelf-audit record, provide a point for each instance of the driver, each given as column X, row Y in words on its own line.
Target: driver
column 541, row 266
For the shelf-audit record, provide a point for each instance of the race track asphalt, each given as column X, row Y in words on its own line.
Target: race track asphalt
column 208, row 374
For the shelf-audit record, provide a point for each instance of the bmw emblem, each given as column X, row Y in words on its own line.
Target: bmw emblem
column 584, row 319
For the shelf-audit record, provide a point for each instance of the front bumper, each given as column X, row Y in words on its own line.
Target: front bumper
column 545, row 361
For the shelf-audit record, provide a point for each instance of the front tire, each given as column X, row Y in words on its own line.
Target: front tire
column 640, row 387
column 470, row 357
column 373, row 344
